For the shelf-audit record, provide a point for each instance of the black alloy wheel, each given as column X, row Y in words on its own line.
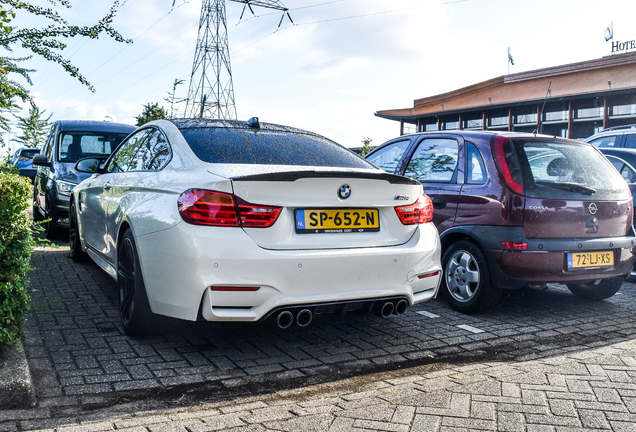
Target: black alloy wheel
column 134, row 309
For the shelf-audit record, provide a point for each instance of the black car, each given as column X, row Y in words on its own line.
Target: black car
column 67, row 142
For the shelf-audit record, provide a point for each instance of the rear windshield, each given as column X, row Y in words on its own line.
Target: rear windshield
column 562, row 170
column 263, row 147
column 77, row 145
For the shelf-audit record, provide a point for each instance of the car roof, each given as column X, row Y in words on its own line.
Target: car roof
column 616, row 130
column 94, row 125
column 483, row 134
column 194, row 123
column 618, row 151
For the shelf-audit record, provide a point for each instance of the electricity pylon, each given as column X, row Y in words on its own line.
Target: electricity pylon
column 211, row 93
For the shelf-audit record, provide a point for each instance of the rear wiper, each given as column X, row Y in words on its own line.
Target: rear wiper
column 574, row 187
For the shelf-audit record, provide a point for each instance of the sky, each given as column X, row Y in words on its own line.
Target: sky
column 329, row 71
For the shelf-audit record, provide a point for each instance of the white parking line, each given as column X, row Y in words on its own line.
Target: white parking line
column 428, row 314
column 470, row 328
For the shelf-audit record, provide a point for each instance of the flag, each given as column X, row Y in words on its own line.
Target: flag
column 609, row 32
column 510, row 57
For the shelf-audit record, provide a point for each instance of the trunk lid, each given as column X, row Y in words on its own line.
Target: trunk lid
column 550, row 218
column 309, row 191
column 571, row 190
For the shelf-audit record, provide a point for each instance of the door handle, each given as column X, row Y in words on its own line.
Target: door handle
column 439, row 203
column 107, row 186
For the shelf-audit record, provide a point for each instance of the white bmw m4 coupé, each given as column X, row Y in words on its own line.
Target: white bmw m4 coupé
column 247, row 221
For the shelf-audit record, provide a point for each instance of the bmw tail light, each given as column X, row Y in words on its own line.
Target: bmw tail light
column 205, row 207
column 507, row 162
column 257, row 216
column 421, row 211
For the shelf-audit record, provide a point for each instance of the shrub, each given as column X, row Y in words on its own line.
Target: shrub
column 16, row 244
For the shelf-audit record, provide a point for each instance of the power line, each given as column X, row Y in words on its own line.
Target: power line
column 124, row 48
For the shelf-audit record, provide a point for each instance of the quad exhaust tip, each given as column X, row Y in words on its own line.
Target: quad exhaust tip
column 387, row 309
column 400, row 307
column 285, row 319
column 304, row 317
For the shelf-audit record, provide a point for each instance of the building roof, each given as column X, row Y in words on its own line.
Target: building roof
column 589, row 77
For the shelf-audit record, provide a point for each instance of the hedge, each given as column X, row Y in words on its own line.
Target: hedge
column 16, row 244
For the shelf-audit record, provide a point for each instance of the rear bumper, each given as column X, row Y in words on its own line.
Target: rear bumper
column 181, row 265
column 545, row 260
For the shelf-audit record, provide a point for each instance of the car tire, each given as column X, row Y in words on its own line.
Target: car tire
column 51, row 228
column 466, row 283
column 599, row 289
column 77, row 254
column 37, row 216
column 134, row 309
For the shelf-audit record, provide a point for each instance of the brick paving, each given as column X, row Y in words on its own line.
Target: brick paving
column 538, row 361
column 589, row 390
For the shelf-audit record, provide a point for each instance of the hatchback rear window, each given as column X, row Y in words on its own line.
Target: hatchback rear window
column 265, row 147
column 563, row 170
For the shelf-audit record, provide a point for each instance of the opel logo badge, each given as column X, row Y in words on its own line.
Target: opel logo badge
column 592, row 208
column 344, row 191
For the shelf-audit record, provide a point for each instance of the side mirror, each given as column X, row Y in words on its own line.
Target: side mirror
column 88, row 165
column 41, row 160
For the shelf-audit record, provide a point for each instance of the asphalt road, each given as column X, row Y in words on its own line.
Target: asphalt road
column 431, row 366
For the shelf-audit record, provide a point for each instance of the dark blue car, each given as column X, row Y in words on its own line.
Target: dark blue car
column 22, row 159
column 67, row 142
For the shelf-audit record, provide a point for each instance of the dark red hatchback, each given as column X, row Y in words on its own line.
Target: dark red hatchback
column 516, row 210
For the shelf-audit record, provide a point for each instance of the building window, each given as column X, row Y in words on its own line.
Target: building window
column 409, row 128
column 556, row 112
column 624, row 106
column 498, row 118
column 473, row 120
column 526, row 118
column 524, row 115
column 588, row 108
column 450, row 122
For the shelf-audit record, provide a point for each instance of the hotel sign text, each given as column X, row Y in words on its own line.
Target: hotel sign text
column 623, row 46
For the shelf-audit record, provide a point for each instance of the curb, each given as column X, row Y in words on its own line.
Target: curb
column 16, row 387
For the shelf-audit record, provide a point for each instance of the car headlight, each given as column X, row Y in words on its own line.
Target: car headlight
column 65, row 188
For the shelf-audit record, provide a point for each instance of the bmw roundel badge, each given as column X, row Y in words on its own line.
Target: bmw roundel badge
column 344, row 191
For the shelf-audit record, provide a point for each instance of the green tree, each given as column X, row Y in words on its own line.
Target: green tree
column 172, row 99
column 366, row 147
column 34, row 127
column 152, row 111
column 47, row 42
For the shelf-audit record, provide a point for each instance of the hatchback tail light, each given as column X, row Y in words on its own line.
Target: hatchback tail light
column 204, row 207
column 421, row 211
column 515, row 245
column 507, row 162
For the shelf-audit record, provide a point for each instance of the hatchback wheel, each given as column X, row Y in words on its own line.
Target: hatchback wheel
column 466, row 283
column 134, row 309
column 597, row 290
column 77, row 254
